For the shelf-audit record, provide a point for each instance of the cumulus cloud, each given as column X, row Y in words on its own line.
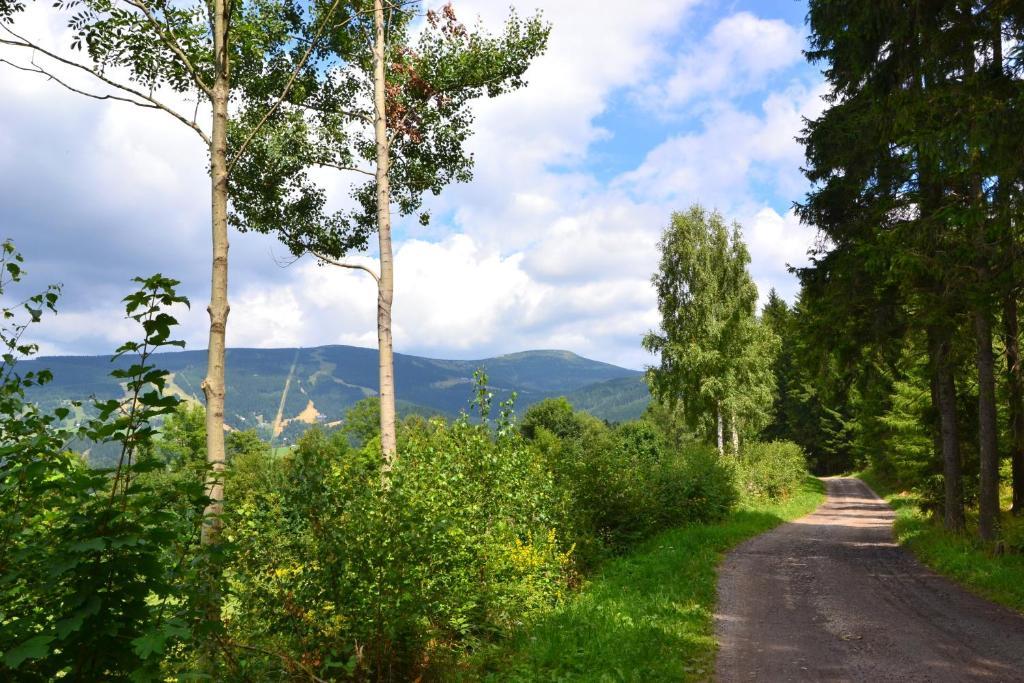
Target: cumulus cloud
column 734, row 58
column 538, row 251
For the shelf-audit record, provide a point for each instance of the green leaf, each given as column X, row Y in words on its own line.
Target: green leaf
column 33, row 648
column 88, row 544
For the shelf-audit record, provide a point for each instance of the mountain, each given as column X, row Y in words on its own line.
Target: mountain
column 280, row 391
column 616, row 400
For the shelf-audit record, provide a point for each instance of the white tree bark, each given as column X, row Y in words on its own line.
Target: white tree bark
column 734, row 428
column 213, row 384
column 721, row 429
column 385, row 284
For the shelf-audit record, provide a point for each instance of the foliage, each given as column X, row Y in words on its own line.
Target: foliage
column 471, row 549
column 714, row 354
column 772, row 470
column 646, row 616
column 94, row 571
column 433, row 75
column 556, row 415
column 362, row 421
column 622, row 484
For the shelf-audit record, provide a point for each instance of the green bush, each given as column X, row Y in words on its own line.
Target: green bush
column 772, row 470
column 620, row 485
column 352, row 575
column 695, row 487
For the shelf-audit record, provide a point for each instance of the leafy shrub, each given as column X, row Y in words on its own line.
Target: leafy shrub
column 771, row 470
column 1012, row 533
column 555, row 415
column 695, row 487
column 623, row 484
column 341, row 572
column 95, row 564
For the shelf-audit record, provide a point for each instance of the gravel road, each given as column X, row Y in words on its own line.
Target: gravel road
column 831, row 597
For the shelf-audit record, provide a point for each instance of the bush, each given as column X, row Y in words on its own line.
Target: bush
column 389, row 580
column 772, row 470
column 621, row 485
column 695, row 487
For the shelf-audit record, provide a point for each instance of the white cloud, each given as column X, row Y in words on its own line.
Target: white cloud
column 720, row 164
column 776, row 241
column 734, row 58
column 540, row 251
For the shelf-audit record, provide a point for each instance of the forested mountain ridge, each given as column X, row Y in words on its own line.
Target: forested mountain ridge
column 327, row 380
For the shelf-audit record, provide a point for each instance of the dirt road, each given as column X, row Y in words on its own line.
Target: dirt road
column 831, row 597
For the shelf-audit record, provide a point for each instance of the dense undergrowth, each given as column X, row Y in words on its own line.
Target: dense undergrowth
column 333, row 569
column 648, row 615
column 994, row 572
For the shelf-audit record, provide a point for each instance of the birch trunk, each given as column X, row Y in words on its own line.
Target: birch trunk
column 213, row 384
column 735, row 434
column 385, row 285
column 721, row 430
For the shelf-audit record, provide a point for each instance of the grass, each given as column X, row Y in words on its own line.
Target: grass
column 962, row 558
column 647, row 615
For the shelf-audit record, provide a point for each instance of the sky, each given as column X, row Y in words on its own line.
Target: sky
column 629, row 116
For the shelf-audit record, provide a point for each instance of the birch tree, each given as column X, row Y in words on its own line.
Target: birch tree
column 180, row 59
column 394, row 106
column 715, row 356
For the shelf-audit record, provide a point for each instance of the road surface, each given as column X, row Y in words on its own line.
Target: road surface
column 831, row 597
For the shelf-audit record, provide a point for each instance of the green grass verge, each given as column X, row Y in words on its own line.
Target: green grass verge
column 646, row 616
column 963, row 558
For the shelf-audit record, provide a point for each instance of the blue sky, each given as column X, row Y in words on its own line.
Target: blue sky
column 628, row 117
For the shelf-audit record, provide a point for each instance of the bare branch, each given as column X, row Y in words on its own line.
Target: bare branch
column 284, row 658
column 168, row 38
column 288, row 86
column 153, row 103
column 342, row 264
column 338, row 167
column 35, row 69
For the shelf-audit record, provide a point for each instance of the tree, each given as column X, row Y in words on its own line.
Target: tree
column 874, row 157
column 715, row 356
column 362, row 421
column 409, row 141
column 136, row 50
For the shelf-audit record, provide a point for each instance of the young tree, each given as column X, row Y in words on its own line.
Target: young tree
column 138, row 51
column 394, row 106
column 715, row 356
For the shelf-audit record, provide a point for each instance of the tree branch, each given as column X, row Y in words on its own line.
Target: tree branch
column 337, row 167
column 341, row 264
column 168, row 39
column 284, row 658
column 288, row 86
column 153, row 103
column 35, row 69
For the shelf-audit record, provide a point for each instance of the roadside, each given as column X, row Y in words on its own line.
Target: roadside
column 646, row 616
column 997, row 577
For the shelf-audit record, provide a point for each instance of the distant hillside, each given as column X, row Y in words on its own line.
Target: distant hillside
column 616, row 400
column 325, row 381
